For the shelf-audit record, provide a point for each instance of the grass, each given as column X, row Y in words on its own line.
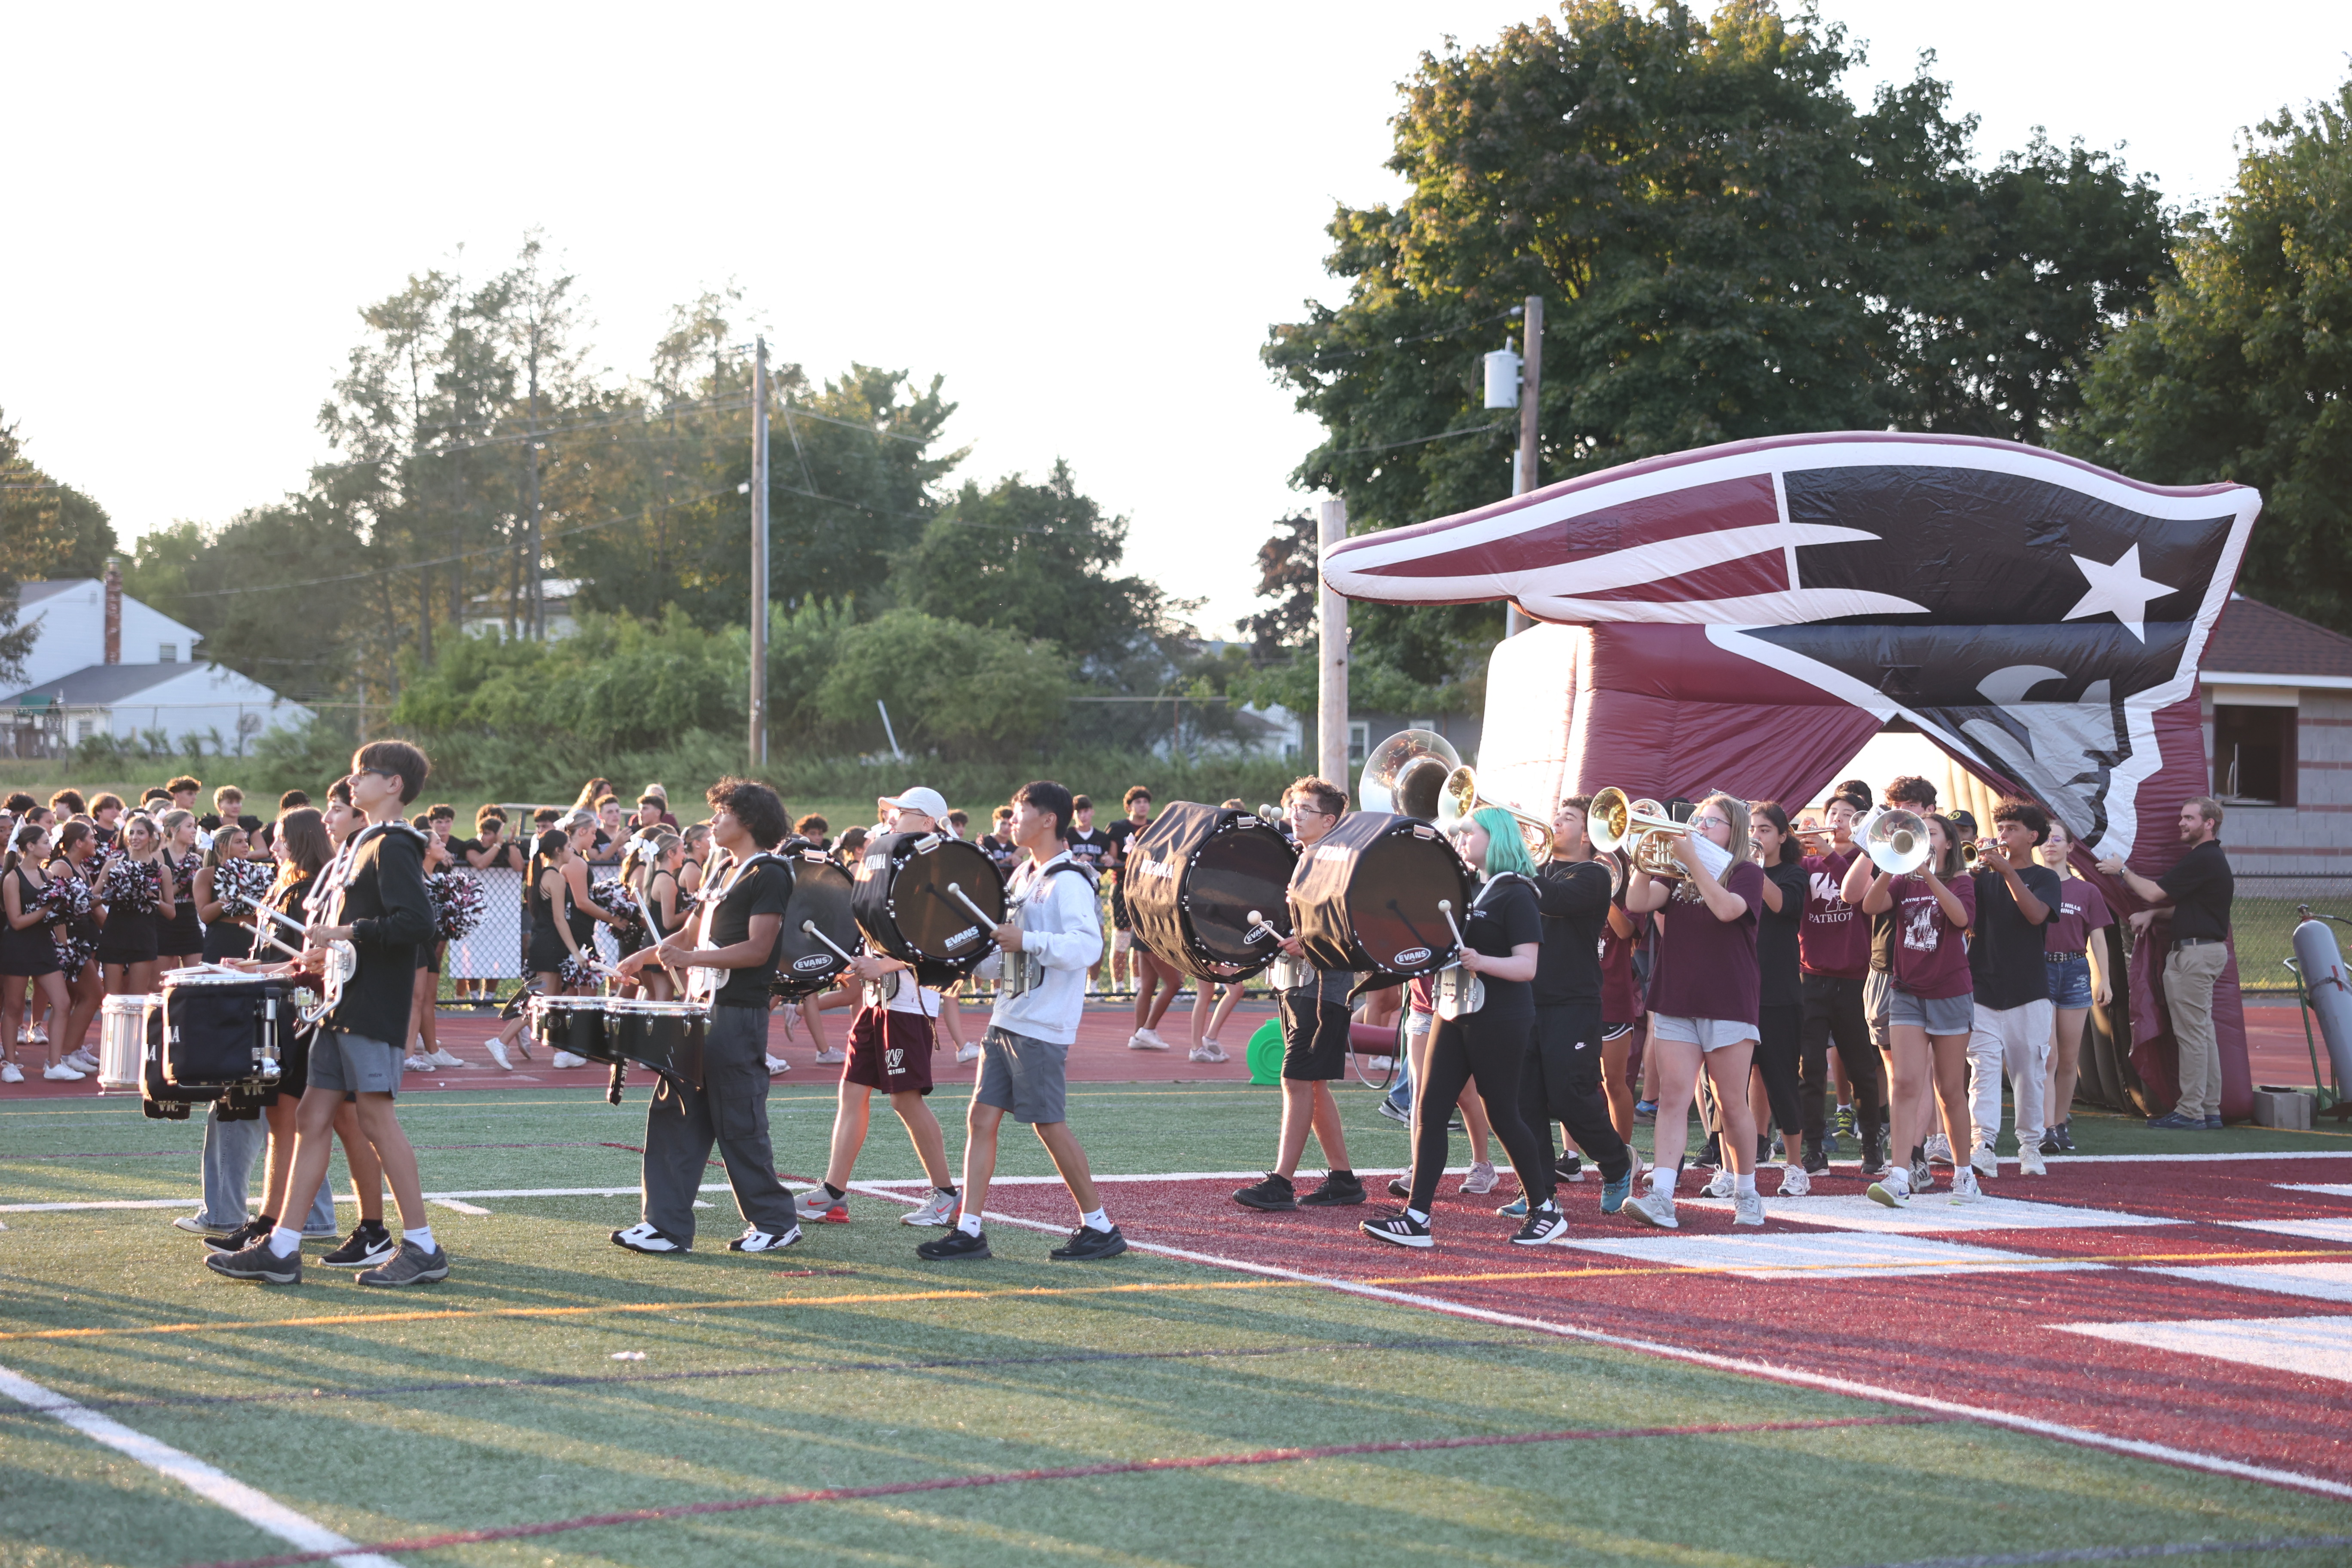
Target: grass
column 805, row 1404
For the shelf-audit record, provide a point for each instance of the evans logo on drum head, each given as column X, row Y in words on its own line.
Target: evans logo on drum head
column 962, row 937
column 1412, row 955
column 813, row 962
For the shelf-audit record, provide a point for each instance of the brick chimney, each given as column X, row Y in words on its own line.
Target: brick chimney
column 113, row 612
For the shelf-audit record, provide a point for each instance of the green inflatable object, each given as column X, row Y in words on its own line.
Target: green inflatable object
column 1266, row 1053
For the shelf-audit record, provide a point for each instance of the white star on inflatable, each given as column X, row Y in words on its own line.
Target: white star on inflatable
column 2118, row 590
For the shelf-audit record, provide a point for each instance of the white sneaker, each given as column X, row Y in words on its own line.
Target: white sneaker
column 82, row 1059
column 441, row 1057
column 1482, row 1177
column 938, row 1209
column 1210, row 1051
column 11, row 1073
column 498, row 1052
column 566, row 1060
column 1965, row 1189
column 2030, row 1162
column 1146, row 1040
column 1746, row 1208
column 417, row 1064
column 831, row 1059
column 1794, row 1183
column 1985, row 1163
column 1722, row 1184
column 1939, row 1149
column 969, row 1053
column 1893, row 1189
column 59, row 1072
column 775, row 1064
column 1653, row 1208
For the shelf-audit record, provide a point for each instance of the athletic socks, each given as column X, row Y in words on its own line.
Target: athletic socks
column 1096, row 1220
column 1416, row 1216
column 422, row 1236
column 943, row 1192
column 1662, row 1182
column 284, row 1243
column 1745, row 1183
column 833, row 1193
column 969, row 1223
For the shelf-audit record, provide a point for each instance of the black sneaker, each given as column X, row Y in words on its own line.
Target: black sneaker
column 957, row 1243
column 645, row 1238
column 1710, row 1155
column 1399, row 1231
column 1338, row 1189
column 1873, row 1159
column 1569, row 1167
column 412, row 1265
column 2066, row 1134
column 244, row 1236
column 258, row 1264
column 2050, row 1142
column 1544, row 1226
column 1399, row 1187
column 1390, row 1111
column 754, row 1239
column 367, row 1246
column 1816, row 1162
column 1087, row 1243
column 1273, row 1195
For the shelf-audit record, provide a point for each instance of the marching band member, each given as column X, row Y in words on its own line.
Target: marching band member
column 1315, row 1023
column 2016, row 900
column 740, row 929
column 1704, row 994
column 1502, row 941
column 380, row 907
column 1781, row 1007
column 1057, row 923
column 2077, row 966
column 1833, row 956
column 1930, row 1011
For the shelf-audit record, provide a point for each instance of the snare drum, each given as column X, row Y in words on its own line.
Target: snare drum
column 220, row 1026
column 663, row 1035
column 575, row 1024
column 123, row 1041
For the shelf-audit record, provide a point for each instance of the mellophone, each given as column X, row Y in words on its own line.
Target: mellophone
column 665, row 1036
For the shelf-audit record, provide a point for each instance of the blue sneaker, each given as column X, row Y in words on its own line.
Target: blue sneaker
column 1645, row 1111
column 2175, row 1122
column 1516, row 1209
column 2212, row 1124
column 1612, row 1193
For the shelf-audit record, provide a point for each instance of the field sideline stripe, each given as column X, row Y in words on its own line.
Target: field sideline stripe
column 2128, row 1553
column 881, row 1298
column 1069, row 1473
column 256, row 1508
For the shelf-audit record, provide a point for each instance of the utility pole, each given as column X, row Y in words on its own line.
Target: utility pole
column 535, row 607
column 759, row 552
column 1523, row 471
column 1331, row 683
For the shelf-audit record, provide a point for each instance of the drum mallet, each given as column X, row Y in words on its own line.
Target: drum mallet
column 810, row 927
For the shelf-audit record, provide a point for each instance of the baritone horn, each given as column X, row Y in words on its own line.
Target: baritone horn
column 1614, row 822
column 1897, row 842
column 1460, row 797
column 1406, row 774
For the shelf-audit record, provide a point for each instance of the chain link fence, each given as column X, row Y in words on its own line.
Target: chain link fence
column 2264, row 918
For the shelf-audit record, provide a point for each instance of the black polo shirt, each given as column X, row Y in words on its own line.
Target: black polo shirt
column 2201, row 887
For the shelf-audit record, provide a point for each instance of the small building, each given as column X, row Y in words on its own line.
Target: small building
column 79, row 684
column 2277, row 695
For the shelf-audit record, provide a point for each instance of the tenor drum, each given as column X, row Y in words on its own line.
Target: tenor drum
column 121, row 1041
column 822, row 892
column 1194, row 879
column 1367, row 896
column 575, row 1024
column 902, row 903
column 663, row 1035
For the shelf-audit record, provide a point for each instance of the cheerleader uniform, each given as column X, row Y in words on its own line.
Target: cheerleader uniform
column 547, row 949
column 130, row 935
column 34, row 950
column 183, row 932
column 81, row 933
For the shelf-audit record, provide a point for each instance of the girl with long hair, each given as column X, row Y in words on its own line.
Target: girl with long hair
column 654, row 879
column 139, row 892
column 180, row 934
column 1931, row 1009
column 563, row 921
column 28, row 947
column 1502, row 941
column 2077, row 966
column 76, row 855
column 1780, row 994
column 225, row 934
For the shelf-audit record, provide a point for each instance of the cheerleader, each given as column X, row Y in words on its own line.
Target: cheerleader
column 137, row 887
column 220, row 898
column 76, row 857
column 1502, row 941
column 564, row 921
column 698, row 854
column 425, row 1000
column 661, row 856
column 1930, row 1013
column 28, row 947
column 1704, row 1003
column 180, row 934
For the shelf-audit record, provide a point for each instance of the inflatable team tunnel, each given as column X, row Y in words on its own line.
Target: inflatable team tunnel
column 1744, row 617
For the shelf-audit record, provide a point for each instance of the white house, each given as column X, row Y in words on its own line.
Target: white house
column 79, row 681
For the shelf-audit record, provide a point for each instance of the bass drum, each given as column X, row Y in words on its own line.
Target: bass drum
column 1194, row 879
column 1368, row 897
column 820, row 897
column 902, row 903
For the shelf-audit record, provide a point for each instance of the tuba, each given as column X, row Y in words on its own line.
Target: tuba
column 1897, row 842
column 1406, row 774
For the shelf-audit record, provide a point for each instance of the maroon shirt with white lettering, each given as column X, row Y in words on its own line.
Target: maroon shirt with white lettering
column 1930, row 954
column 1835, row 937
column 2082, row 909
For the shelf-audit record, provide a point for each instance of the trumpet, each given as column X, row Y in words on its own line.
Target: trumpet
column 1613, row 822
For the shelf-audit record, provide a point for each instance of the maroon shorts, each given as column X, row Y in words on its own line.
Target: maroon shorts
column 890, row 1051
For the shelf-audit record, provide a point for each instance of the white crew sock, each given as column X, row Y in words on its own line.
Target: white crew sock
column 1095, row 1220
column 1662, row 1180
column 1417, row 1216
column 1744, row 1183
column 284, row 1243
column 969, row 1223
column 422, row 1236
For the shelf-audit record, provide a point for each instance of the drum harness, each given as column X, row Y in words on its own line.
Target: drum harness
column 703, row 985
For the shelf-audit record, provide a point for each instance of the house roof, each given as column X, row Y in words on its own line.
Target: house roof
column 101, row 683
column 30, row 593
column 2254, row 638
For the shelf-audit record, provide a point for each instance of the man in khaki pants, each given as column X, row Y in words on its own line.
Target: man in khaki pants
column 2196, row 895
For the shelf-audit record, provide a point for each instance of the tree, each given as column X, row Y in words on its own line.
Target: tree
column 2242, row 371
column 48, row 530
column 961, row 689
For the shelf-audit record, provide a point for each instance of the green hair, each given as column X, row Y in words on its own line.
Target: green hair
column 1505, row 850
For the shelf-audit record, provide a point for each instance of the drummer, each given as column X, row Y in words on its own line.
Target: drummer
column 890, row 1045
column 1315, row 1024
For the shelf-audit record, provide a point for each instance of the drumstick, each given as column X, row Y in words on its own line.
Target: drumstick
column 1257, row 924
column 1397, row 910
column 956, row 892
column 810, row 927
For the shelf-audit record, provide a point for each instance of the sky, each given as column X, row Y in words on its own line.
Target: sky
column 1084, row 218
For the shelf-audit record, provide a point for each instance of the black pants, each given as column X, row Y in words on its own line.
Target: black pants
column 1834, row 1011
column 1560, row 1082
column 1779, row 1031
column 729, row 1109
column 1488, row 1052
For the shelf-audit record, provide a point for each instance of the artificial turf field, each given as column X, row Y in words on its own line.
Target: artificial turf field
column 1162, row 1399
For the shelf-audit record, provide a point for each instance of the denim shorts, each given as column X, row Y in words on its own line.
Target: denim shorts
column 2070, row 978
column 1937, row 1014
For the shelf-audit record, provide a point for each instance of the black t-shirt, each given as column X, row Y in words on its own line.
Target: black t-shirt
column 1091, row 849
column 1120, row 834
column 1004, row 851
column 210, row 822
column 2201, row 887
column 765, row 889
column 1573, row 897
column 1779, row 982
column 1503, row 917
column 2006, row 961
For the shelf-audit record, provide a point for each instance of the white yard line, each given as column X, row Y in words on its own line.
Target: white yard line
column 258, row 1509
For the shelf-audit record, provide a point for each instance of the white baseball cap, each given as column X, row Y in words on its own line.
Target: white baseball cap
column 922, row 798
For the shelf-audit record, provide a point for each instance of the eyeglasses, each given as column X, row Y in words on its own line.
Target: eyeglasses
column 1708, row 822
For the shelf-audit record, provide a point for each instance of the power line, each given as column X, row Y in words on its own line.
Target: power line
column 1417, row 440
column 1320, row 354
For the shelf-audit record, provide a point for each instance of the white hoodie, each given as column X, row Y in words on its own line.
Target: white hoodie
column 1060, row 924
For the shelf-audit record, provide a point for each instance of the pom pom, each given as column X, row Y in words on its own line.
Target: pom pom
column 458, row 903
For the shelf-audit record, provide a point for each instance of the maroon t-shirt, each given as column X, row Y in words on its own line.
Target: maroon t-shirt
column 2082, row 909
column 1834, row 938
column 1706, row 967
column 1931, row 953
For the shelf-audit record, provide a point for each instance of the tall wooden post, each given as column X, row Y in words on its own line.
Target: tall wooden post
column 1332, row 685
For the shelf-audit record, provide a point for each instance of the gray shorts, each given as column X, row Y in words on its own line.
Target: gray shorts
column 1707, row 1033
column 1939, row 1015
column 1023, row 1077
column 353, row 1064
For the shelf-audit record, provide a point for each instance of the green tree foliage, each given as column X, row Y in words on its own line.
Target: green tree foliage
column 46, row 530
column 2243, row 370
column 617, row 684
column 1728, row 249
column 965, row 691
